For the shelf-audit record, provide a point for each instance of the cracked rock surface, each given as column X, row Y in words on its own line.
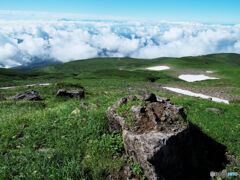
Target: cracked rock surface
column 161, row 140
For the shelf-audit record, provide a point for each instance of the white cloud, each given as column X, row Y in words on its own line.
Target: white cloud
column 22, row 41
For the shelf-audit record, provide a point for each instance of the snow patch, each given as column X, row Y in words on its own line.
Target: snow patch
column 158, row 68
column 189, row 93
column 29, row 85
column 193, row 78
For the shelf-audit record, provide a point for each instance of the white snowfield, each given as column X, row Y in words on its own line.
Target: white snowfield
column 189, row 93
column 158, row 68
column 29, row 85
column 193, row 78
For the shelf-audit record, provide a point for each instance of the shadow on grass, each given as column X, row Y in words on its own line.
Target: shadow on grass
column 190, row 155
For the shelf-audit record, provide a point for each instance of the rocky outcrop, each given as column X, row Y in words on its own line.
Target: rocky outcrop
column 28, row 95
column 158, row 137
column 70, row 93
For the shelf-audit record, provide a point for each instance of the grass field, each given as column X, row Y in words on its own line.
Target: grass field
column 44, row 140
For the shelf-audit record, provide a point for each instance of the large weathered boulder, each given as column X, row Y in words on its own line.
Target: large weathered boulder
column 157, row 135
column 28, row 95
column 70, row 93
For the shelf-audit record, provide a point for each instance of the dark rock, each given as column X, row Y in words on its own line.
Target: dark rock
column 153, row 79
column 70, row 93
column 131, row 89
column 163, row 142
column 2, row 98
column 148, row 96
column 162, row 99
column 24, row 126
column 83, row 105
column 28, row 95
column 215, row 110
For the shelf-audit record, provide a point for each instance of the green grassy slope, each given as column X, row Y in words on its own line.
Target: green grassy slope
column 208, row 61
column 9, row 77
column 43, row 140
column 92, row 65
column 225, row 65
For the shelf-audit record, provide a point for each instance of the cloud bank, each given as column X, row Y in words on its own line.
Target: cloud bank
column 24, row 41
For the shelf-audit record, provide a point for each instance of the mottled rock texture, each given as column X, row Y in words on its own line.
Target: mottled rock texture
column 28, row 95
column 162, row 141
column 71, row 93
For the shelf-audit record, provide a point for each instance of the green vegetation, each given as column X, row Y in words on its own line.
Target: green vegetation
column 10, row 77
column 125, row 110
column 44, row 140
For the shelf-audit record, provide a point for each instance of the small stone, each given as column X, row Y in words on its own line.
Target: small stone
column 19, row 146
column 83, row 105
column 24, row 126
column 131, row 89
column 161, row 99
column 148, row 96
column 163, row 118
column 84, row 119
column 46, row 150
column 215, row 110
column 2, row 98
column 76, row 111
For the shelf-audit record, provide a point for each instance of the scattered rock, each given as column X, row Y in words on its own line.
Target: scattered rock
column 83, row 105
column 130, row 89
column 20, row 146
column 2, row 98
column 106, row 92
column 152, row 79
column 24, row 126
column 46, row 150
column 162, row 99
column 162, row 141
column 71, row 93
column 215, row 110
column 84, row 119
column 28, row 95
column 148, row 96
column 76, row 111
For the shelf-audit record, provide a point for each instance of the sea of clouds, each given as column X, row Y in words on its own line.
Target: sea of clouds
column 23, row 40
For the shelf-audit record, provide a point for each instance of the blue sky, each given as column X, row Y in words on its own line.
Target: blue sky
column 207, row 11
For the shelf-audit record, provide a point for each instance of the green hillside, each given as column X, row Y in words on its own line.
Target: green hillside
column 45, row 140
column 10, row 77
column 90, row 65
column 96, row 64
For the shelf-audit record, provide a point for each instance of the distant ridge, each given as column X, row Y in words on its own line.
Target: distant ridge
column 36, row 65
